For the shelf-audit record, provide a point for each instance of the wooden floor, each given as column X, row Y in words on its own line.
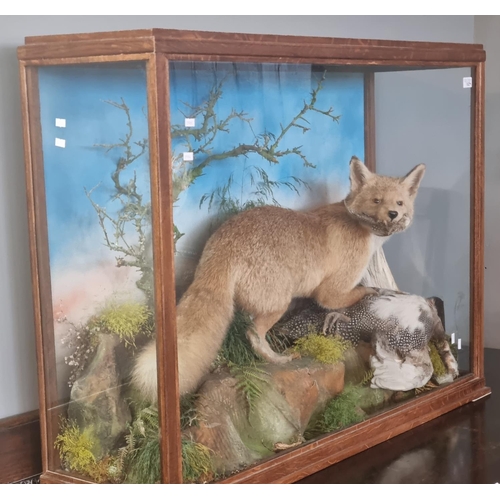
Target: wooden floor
column 462, row 446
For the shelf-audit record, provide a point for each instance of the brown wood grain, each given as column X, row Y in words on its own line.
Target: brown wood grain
column 59, row 61
column 100, row 35
column 86, row 48
column 176, row 42
column 369, row 111
column 305, row 51
column 339, row 64
column 169, row 34
column 477, row 223
column 163, row 230
column 37, row 224
column 201, row 36
column 20, row 445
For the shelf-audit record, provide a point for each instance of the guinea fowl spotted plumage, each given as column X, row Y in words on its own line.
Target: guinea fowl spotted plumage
column 406, row 321
column 397, row 324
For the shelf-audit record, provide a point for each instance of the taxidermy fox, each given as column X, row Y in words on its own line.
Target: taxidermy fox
column 262, row 258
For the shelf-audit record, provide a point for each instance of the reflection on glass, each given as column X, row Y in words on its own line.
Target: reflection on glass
column 245, row 137
column 248, row 135
column 96, row 166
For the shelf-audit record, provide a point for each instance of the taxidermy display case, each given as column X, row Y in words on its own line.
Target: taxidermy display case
column 292, row 339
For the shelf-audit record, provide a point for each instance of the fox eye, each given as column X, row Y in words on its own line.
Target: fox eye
column 400, row 203
column 376, row 200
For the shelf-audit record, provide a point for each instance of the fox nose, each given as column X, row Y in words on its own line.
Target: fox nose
column 393, row 214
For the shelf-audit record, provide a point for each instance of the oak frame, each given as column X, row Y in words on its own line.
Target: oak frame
column 158, row 47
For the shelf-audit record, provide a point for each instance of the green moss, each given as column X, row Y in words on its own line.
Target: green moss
column 126, row 320
column 75, row 446
column 341, row 412
column 75, row 450
column 325, row 349
column 437, row 362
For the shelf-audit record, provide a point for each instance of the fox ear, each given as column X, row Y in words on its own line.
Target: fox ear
column 412, row 179
column 359, row 173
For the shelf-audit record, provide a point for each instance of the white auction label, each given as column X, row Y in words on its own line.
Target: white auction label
column 60, row 143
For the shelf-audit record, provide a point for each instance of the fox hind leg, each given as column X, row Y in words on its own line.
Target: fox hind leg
column 257, row 338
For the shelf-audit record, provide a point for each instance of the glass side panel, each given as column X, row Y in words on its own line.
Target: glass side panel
column 424, row 117
column 96, row 166
column 277, row 344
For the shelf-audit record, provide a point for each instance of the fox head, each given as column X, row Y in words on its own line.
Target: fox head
column 384, row 204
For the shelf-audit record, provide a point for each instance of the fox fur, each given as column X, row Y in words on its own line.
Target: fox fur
column 262, row 258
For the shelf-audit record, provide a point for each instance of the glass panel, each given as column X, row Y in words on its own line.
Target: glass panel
column 424, row 117
column 275, row 349
column 96, row 163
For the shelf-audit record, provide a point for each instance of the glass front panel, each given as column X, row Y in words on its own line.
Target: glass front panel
column 96, row 166
column 312, row 293
column 275, row 229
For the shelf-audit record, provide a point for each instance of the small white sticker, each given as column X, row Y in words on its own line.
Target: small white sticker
column 452, row 338
column 460, row 343
column 189, row 122
column 60, row 143
column 467, row 82
column 189, row 156
column 61, row 122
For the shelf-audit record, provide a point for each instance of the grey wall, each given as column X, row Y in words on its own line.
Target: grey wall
column 487, row 32
column 18, row 385
column 424, row 117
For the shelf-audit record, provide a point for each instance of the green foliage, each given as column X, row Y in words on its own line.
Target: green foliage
column 236, row 348
column 250, row 379
column 197, row 463
column 367, row 377
column 437, row 363
column 145, row 463
column 341, row 412
column 125, row 320
column 325, row 349
column 75, row 447
column 139, row 461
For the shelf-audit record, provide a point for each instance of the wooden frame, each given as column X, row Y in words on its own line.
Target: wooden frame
column 157, row 48
column 20, row 444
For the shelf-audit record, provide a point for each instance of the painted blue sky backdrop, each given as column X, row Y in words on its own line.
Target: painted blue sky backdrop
column 77, row 94
column 271, row 95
